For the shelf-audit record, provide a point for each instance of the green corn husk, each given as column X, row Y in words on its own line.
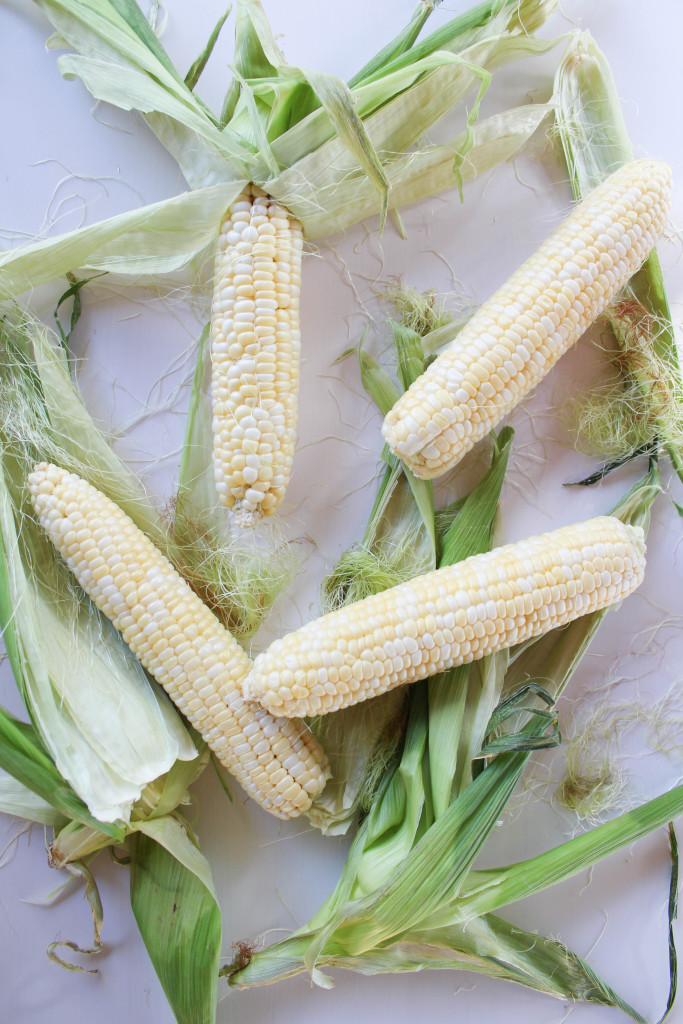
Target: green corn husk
column 176, row 911
column 105, row 759
column 641, row 407
column 108, row 729
column 333, row 153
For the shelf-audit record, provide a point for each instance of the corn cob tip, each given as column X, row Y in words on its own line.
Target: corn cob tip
column 449, row 617
column 245, row 518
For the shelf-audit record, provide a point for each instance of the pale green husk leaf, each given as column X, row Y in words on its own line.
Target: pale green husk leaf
column 155, row 239
column 306, row 137
column 643, row 402
column 21, row 802
column 169, row 235
column 178, row 917
column 109, row 730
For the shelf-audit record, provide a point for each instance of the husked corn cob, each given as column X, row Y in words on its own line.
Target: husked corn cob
column 178, row 640
column 448, row 617
column 521, row 332
column 255, row 344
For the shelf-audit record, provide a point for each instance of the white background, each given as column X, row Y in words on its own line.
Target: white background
column 65, row 163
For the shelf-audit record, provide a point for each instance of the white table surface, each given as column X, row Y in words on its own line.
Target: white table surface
column 65, row 162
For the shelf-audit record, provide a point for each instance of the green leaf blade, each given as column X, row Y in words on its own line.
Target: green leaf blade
column 180, row 924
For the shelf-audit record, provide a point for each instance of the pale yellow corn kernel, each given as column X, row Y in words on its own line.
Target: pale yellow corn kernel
column 179, row 640
column 255, row 348
column 519, row 334
column 448, row 617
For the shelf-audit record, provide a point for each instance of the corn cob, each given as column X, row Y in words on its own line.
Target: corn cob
column 448, row 617
column 178, row 640
column 521, row 332
column 255, row 343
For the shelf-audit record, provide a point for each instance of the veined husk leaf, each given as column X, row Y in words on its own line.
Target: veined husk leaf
column 487, row 945
column 487, row 891
column 482, row 20
column 21, row 802
column 327, row 206
column 398, row 46
column 410, row 97
column 173, row 901
column 196, row 487
column 277, row 115
column 23, row 756
column 109, row 730
column 168, row 832
column 168, row 236
column 115, row 44
column 209, row 156
column 195, row 72
column 595, row 141
column 160, row 800
column 155, row 239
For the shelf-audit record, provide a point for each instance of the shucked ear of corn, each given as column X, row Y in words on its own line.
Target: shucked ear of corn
column 449, row 617
column 178, row 640
column 255, row 343
column 520, row 333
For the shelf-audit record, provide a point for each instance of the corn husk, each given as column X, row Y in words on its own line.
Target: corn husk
column 334, row 153
column 105, row 759
column 643, row 408
column 108, row 729
column 19, row 801
column 174, row 903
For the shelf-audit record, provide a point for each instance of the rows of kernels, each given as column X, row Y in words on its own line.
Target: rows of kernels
column 447, row 617
column 521, row 332
column 178, row 640
column 255, row 350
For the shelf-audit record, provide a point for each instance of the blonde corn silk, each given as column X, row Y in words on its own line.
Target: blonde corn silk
column 640, row 397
